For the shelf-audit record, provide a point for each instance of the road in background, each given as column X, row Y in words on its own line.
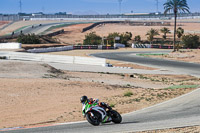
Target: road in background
column 175, row 66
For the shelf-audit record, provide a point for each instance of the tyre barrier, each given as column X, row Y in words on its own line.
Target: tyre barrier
column 161, row 47
column 151, row 46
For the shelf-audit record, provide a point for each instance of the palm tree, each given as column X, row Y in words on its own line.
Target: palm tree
column 176, row 6
column 165, row 30
column 137, row 39
column 151, row 33
column 179, row 32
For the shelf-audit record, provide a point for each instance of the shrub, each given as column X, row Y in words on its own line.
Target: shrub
column 128, row 94
column 28, row 39
column 92, row 39
column 112, row 105
column 124, row 38
column 180, row 32
column 111, row 37
column 191, row 41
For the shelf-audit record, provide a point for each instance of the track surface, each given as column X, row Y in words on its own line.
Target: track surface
column 176, row 66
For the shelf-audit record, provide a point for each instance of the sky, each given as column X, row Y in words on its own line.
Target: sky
column 87, row 6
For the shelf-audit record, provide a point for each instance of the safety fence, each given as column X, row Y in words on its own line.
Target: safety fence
column 53, row 58
column 16, row 17
column 67, row 48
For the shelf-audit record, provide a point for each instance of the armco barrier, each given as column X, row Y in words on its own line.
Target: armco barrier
column 53, row 58
column 66, row 48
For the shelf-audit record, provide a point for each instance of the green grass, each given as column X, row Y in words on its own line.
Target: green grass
column 58, row 26
column 112, row 105
column 21, row 28
column 182, row 87
column 155, row 54
column 128, row 94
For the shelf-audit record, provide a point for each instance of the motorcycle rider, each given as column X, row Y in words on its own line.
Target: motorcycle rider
column 93, row 102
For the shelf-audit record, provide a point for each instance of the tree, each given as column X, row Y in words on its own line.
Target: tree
column 28, row 39
column 191, row 41
column 165, row 31
column 92, row 39
column 179, row 32
column 125, row 37
column 111, row 38
column 151, row 33
column 137, row 39
column 176, row 6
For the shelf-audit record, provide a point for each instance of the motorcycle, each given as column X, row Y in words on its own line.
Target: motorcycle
column 96, row 115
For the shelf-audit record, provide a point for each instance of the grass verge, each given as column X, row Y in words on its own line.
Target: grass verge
column 183, row 87
column 154, row 54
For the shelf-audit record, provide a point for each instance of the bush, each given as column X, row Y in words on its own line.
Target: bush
column 112, row 105
column 28, row 39
column 191, row 41
column 111, row 37
column 92, row 39
column 124, row 38
column 128, row 93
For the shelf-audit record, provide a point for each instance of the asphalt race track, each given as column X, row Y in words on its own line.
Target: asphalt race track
column 176, row 66
column 178, row 112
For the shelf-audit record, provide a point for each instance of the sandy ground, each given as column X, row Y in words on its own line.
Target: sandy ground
column 40, row 94
column 2, row 23
column 74, row 36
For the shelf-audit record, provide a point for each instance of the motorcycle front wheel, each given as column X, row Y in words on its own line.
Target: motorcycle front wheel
column 116, row 117
column 94, row 120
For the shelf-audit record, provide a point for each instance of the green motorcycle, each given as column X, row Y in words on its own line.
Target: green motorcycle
column 96, row 114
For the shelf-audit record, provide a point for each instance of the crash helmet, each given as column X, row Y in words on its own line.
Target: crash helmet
column 84, row 99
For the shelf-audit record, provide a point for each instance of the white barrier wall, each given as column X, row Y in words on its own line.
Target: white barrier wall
column 54, row 58
column 51, row 49
column 10, row 45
